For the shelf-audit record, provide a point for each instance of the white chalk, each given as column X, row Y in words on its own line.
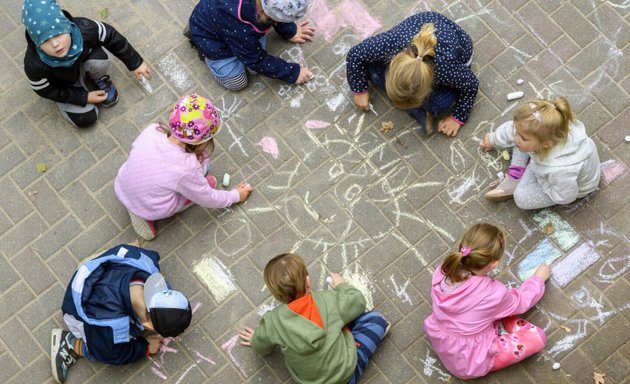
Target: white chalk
column 372, row 109
column 515, row 95
column 628, row 139
column 226, row 180
column 555, row 366
column 145, row 84
column 520, row 81
column 500, row 175
column 329, row 280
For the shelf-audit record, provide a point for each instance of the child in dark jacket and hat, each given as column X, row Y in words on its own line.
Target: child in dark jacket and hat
column 62, row 50
column 118, row 308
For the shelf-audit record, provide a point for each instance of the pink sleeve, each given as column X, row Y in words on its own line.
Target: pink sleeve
column 193, row 186
column 519, row 300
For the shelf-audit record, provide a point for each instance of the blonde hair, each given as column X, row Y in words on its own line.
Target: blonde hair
column 547, row 121
column 196, row 149
column 485, row 243
column 261, row 16
column 285, row 276
column 410, row 74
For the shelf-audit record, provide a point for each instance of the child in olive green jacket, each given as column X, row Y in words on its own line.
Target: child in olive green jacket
column 326, row 337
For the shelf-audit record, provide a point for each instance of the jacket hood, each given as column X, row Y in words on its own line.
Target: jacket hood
column 575, row 150
column 457, row 301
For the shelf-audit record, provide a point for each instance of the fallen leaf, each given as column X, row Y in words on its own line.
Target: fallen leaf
column 565, row 328
column 41, row 167
column 104, row 13
column 386, row 126
column 549, row 229
column 598, row 378
column 400, row 142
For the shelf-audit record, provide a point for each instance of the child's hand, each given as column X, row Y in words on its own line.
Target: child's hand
column 96, row 97
column 155, row 343
column 449, row 127
column 244, row 189
column 304, row 33
column 543, row 271
column 246, row 335
column 142, row 70
column 485, row 144
column 336, row 279
column 362, row 100
column 304, row 76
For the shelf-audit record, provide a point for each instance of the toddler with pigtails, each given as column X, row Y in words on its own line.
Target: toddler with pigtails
column 553, row 159
column 473, row 327
column 424, row 65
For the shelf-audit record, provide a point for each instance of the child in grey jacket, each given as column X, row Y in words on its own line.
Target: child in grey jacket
column 553, row 160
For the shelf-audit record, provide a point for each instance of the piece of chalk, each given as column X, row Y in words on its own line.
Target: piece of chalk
column 506, row 154
column 555, row 366
column 226, row 180
column 628, row 139
column 520, row 81
column 500, row 175
column 515, row 95
column 372, row 109
column 329, row 280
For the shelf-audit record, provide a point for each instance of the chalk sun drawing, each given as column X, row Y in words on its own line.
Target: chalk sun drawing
column 361, row 281
column 270, row 146
column 215, row 276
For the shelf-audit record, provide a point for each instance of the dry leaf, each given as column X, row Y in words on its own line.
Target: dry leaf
column 41, row 167
column 565, row 328
column 549, row 229
column 104, row 13
column 386, row 126
column 598, row 378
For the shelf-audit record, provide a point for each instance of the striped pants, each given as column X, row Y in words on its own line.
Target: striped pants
column 368, row 330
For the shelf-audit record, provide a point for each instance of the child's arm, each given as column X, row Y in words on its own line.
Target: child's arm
column 193, row 186
column 379, row 48
column 561, row 187
column 41, row 85
column 350, row 301
column 259, row 340
column 461, row 78
column 519, row 300
column 503, row 137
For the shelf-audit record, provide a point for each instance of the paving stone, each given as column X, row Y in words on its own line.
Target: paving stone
column 47, row 202
column 21, row 234
column 606, row 341
column 63, row 265
column 9, row 366
column 41, row 309
column 14, row 299
column 7, row 274
column 608, row 93
column 574, row 24
column 13, row 201
column 579, row 366
column 226, row 317
column 34, row 271
column 70, row 168
column 20, row 341
column 81, row 202
column 36, row 372
column 93, row 238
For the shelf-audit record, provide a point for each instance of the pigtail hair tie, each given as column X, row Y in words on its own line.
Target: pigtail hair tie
column 465, row 251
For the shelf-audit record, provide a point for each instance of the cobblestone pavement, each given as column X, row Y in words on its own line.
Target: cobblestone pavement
column 384, row 208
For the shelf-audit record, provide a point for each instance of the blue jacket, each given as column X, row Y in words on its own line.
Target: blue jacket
column 453, row 51
column 226, row 28
column 97, row 304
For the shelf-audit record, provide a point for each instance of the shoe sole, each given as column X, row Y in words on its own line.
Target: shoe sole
column 141, row 227
column 55, row 343
column 110, row 104
column 499, row 198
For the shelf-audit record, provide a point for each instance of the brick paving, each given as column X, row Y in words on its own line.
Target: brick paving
column 384, row 208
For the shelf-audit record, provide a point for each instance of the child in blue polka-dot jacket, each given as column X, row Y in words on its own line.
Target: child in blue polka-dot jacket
column 424, row 65
column 231, row 36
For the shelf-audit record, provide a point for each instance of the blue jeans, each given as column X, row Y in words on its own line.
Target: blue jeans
column 368, row 330
column 230, row 67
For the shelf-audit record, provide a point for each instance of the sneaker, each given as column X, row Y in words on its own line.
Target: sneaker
column 105, row 84
column 61, row 355
column 504, row 189
column 144, row 228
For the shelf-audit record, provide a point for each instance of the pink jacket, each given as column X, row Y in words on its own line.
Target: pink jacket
column 159, row 176
column 462, row 327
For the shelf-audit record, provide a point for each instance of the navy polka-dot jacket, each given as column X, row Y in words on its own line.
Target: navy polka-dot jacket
column 226, row 28
column 453, row 51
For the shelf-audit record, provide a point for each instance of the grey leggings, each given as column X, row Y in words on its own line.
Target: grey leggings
column 95, row 66
column 528, row 194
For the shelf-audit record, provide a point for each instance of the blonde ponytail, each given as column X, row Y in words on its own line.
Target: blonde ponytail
column 410, row 74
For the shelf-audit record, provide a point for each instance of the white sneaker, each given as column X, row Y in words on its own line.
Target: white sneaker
column 504, row 189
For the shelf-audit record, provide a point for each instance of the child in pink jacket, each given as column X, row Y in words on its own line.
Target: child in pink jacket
column 472, row 328
column 167, row 167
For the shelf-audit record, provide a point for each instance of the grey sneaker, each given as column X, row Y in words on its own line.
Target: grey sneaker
column 61, row 354
column 504, row 189
column 144, row 228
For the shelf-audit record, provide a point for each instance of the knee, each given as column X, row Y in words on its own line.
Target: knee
column 520, row 198
column 84, row 120
column 235, row 83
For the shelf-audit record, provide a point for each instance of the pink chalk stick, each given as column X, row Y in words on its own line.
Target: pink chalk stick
column 316, row 124
column 358, row 18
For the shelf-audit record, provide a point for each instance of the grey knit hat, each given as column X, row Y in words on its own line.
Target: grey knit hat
column 285, row 11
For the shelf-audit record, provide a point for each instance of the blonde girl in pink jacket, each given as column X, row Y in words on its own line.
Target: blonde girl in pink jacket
column 473, row 327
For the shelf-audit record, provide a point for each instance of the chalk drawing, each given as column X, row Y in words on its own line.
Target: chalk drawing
column 544, row 252
column 264, row 308
column 568, row 341
column 185, row 373
column 526, row 228
column 564, row 235
column 349, row 13
column 611, row 170
column 164, row 348
column 429, row 368
column 324, row 20
column 464, row 185
column 358, row 18
column 401, row 291
column 613, row 267
column 316, row 124
column 215, row 276
column 270, row 146
column 175, row 72
column 344, row 44
column 361, row 281
column 228, row 346
column 576, row 262
column 585, row 299
column 196, row 307
column 204, row 358
column 158, row 373
column 290, row 175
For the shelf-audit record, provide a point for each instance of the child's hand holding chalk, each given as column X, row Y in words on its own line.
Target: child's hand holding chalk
column 244, row 189
column 334, row 279
column 485, row 143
